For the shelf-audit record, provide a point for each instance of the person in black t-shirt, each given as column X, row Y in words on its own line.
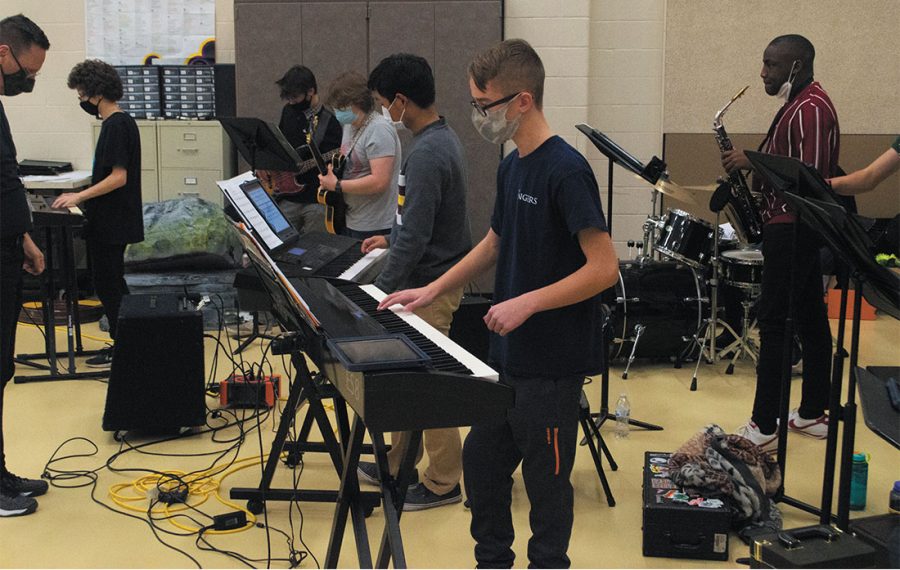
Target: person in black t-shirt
column 112, row 204
column 553, row 254
column 23, row 47
column 303, row 119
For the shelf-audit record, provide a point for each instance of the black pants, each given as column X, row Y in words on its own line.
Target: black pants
column 810, row 321
column 108, row 266
column 11, row 257
column 540, row 432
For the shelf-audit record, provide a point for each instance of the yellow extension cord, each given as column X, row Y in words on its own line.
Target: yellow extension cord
column 200, row 487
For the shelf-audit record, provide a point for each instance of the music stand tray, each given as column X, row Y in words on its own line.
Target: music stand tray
column 261, row 144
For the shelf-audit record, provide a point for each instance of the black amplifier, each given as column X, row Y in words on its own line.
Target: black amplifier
column 676, row 525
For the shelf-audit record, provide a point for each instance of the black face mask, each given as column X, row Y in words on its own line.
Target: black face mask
column 300, row 107
column 18, row 82
column 90, row 108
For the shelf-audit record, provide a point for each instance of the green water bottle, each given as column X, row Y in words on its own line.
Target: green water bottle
column 858, row 479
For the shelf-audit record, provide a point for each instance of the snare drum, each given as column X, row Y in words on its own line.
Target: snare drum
column 686, row 238
column 742, row 268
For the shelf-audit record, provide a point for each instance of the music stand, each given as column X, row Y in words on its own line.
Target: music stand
column 651, row 173
column 815, row 204
column 261, row 144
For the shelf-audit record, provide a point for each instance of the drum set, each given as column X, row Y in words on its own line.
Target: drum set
column 668, row 296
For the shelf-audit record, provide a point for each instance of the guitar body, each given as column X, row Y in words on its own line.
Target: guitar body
column 279, row 182
column 335, row 207
column 335, row 210
column 285, row 182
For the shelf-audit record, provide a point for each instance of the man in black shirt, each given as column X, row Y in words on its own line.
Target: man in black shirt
column 303, row 119
column 112, row 204
column 23, row 47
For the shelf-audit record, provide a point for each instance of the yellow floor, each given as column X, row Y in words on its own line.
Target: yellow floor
column 69, row 530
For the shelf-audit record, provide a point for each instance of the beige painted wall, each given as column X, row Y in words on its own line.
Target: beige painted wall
column 714, row 47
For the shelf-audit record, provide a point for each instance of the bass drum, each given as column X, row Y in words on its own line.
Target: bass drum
column 663, row 300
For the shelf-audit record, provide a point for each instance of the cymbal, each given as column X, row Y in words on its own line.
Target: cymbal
column 683, row 193
column 709, row 188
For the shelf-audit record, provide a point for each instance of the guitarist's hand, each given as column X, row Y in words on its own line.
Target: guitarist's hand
column 374, row 242
column 328, row 181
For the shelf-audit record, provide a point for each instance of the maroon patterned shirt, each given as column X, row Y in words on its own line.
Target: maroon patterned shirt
column 805, row 128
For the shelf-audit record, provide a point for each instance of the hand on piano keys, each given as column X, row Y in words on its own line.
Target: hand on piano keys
column 374, row 242
column 408, row 299
column 68, row 201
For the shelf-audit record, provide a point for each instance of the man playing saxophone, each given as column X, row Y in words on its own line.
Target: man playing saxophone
column 806, row 127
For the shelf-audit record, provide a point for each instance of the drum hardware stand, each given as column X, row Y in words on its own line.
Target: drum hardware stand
column 600, row 417
column 638, row 331
column 708, row 329
column 743, row 345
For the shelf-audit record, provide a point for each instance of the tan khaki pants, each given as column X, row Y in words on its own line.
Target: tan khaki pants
column 444, row 446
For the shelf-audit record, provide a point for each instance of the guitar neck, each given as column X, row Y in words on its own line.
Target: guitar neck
column 311, row 163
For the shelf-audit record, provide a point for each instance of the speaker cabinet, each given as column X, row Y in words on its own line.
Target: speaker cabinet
column 156, row 383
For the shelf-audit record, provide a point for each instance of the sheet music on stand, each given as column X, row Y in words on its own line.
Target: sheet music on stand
column 267, row 265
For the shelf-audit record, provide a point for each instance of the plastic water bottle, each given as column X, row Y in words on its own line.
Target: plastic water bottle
column 623, row 413
column 858, row 480
column 895, row 499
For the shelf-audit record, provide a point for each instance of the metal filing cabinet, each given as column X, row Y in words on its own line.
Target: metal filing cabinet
column 182, row 159
column 192, row 156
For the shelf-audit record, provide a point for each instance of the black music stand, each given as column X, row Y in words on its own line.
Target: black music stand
column 651, row 173
column 811, row 198
column 264, row 147
column 59, row 223
column 261, row 144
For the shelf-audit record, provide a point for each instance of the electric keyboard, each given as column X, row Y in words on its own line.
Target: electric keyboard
column 457, row 389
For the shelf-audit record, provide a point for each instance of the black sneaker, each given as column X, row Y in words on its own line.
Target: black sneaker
column 102, row 359
column 419, row 498
column 16, row 505
column 15, row 485
column 368, row 473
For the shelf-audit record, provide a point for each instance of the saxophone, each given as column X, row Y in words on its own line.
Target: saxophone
column 741, row 209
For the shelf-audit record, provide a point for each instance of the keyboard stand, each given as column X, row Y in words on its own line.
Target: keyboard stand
column 303, row 387
column 393, row 494
column 60, row 364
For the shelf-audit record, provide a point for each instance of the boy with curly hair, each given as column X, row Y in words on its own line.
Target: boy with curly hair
column 112, row 203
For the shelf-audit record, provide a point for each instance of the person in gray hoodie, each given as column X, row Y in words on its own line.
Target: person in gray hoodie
column 429, row 235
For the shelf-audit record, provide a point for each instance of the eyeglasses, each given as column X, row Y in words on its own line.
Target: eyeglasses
column 28, row 72
column 483, row 109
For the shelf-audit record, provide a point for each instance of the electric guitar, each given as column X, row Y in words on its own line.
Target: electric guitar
column 285, row 182
column 335, row 207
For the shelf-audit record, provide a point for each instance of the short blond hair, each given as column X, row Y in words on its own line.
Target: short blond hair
column 513, row 66
column 350, row 89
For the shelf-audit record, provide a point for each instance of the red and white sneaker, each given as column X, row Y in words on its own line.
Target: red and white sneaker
column 817, row 428
column 766, row 442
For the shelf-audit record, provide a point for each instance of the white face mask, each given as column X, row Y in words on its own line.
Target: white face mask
column 495, row 127
column 386, row 111
column 785, row 92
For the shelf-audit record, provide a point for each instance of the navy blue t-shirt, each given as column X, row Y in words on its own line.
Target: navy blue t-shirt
column 543, row 201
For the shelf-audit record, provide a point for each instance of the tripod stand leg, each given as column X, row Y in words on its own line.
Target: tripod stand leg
column 587, row 426
column 639, row 330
